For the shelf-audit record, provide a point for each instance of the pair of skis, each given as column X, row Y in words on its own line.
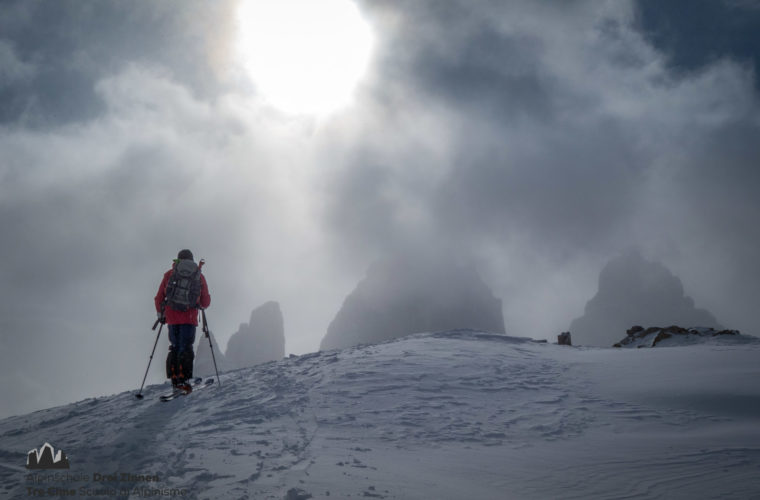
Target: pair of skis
column 197, row 385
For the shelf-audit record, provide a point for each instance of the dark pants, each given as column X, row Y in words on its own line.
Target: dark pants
column 179, row 362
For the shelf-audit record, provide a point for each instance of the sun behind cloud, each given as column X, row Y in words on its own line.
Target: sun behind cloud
column 304, row 56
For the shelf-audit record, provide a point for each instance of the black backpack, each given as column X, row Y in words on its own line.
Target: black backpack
column 184, row 286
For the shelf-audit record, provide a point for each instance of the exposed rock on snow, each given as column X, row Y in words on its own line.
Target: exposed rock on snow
column 262, row 339
column 638, row 336
column 402, row 296
column 633, row 290
column 297, row 494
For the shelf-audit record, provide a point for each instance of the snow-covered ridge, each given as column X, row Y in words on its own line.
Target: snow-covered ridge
column 459, row 414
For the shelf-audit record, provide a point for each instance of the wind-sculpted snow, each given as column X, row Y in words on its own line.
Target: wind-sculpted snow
column 418, row 391
column 459, row 414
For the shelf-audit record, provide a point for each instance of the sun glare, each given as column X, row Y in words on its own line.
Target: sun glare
column 304, row 56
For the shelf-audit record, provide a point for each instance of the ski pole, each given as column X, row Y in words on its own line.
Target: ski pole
column 206, row 333
column 139, row 393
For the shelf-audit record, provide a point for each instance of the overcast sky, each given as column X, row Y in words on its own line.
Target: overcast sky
column 535, row 139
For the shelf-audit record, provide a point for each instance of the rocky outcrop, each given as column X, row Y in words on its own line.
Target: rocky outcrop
column 260, row 340
column 638, row 336
column 633, row 290
column 401, row 296
column 204, row 364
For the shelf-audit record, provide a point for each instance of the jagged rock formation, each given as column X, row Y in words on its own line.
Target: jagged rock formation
column 638, row 336
column 204, row 364
column 262, row 339
column 402, row 296
column 632, row 291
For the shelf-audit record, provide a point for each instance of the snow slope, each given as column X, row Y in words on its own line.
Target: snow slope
column 454, row 415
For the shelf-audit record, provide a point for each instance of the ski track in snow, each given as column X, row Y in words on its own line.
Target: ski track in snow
column 453, row 415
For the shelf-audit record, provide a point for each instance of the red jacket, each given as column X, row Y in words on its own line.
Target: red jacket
column 189, row 317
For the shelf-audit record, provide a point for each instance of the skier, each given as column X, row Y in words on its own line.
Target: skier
column 183, row 290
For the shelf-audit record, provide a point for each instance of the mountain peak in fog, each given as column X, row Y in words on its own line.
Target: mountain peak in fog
column 405, row 295
column 636, row 291
column 260, row 340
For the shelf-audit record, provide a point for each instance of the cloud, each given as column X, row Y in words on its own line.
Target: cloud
column 559, row 134
column 726, row 29
column 535, row 138
column 72, row 46
column 92, row 214
column 13, row 69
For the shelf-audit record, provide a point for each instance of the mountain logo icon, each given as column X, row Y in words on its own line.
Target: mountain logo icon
column 46, row 458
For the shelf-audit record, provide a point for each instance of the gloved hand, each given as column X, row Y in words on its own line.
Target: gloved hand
column 161, row 317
